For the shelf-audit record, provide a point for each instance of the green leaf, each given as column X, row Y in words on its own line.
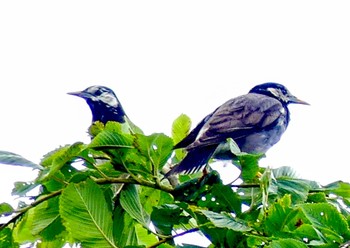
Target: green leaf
column 87, row 215
column 234, row 148
column 128, row 232
column 308, row 232
column 225, row 196
column 156, row 147
column 339, row 188
column 22, row 188
column 22, row 232
column 152, row 197
column 145, row 237
column 249, row 165
column 328, row 220
column 284, row 171
column 180, row 128
column 17, row 160
column 226, row 221
column 287, row 243
column 166, row 216
column 124, row 228
column 281, row 217
column 317, row 197
column 112, row 139
column 59, row 242
column 130, row 201
column 60, row 158
column 131, row 126
column 6, row 239
column 297, row 188
column 5, row 209
column 47, row 221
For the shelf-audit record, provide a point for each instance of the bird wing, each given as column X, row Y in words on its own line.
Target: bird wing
column 238, row 118
column 191, row 137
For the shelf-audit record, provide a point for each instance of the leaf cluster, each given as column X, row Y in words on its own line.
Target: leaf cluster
column 111, row 192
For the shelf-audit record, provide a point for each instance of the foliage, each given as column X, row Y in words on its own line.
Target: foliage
column 111, row 193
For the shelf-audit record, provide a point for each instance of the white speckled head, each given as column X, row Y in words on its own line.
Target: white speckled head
column 102, row 93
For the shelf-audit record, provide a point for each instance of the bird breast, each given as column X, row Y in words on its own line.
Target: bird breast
column 263, row 141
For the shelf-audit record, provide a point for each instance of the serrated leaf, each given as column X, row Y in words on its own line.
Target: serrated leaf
column 317, row 197
column 130, row 201
column 309, row 232
column 226, row 221
column 327, row 219
column 297, row 188
column 60, row 158
column 156, row 147
column 50, row 156
column 284, row 171
column 339, row 188
column 87, row 215
column 11, row 158
column 249, row 165
column 111, row 139
column 280, row 215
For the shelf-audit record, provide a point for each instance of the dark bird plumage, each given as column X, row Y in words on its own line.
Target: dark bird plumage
column 103, row 103
column 105, row 107
column 255, row 121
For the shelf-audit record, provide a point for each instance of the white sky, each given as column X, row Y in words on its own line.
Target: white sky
column 164, row 58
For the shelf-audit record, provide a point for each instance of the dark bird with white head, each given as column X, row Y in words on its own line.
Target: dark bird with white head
column 103, row 103
column 255, row 121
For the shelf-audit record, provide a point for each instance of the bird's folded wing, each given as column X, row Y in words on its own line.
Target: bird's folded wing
column 238, row 118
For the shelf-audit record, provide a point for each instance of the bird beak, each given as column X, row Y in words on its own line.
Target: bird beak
column 293, row 99
column 81, row 94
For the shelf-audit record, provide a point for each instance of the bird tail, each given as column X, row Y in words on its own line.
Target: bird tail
column 193, row 161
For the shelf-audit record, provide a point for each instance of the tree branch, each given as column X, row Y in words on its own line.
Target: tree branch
column 22, row 211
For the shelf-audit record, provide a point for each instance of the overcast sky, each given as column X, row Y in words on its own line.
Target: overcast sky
column 164, row 58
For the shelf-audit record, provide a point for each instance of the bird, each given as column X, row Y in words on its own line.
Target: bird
column 105, row 107
column 103, row 103
column 255, row 121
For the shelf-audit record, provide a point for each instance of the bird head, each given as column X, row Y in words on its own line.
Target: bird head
column 103, row 103
column 277, row 91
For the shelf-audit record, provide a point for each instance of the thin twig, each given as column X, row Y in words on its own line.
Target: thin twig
column 253, row 185
column 22, row 211
column 172, row 237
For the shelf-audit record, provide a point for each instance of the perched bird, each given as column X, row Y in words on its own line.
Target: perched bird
column 255, row 121
column 105, row 107
column 103, row 103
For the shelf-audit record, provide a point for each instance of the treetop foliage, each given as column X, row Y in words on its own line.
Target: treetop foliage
column 112, row 193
